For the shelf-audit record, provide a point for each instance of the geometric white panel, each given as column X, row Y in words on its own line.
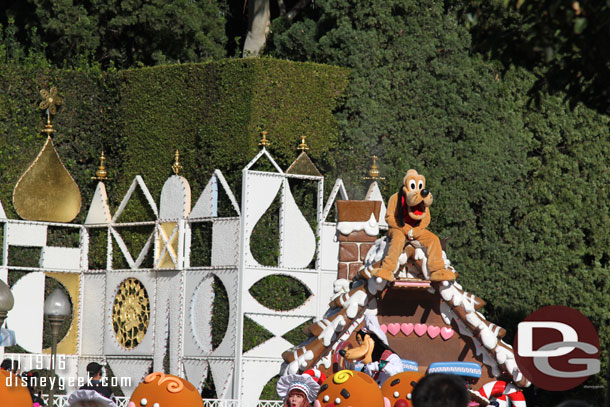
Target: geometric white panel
column 2, row 213
column 255, row 375
column 99, row 212
column 263, row 189
column 91, row 315
column 271, row 349
column 26, row 234
column 169, row 297
column 195, row 372
column 207, row 204
column 198, row 319
column 133, row 368
column 67, row 258
column 227, row 346
column 225, row 235
column 26, row 317
column 298, row 242
column 175, row 198
column 222, row 373
column 329, row 249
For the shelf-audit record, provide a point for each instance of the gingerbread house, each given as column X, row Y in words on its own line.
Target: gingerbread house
column 433, row 327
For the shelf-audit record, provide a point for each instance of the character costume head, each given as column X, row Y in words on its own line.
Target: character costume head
column 348, row 388
column 13, row 392
column 165, row 390
column 398, row 388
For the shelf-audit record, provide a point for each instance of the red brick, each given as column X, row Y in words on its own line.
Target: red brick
column 364, row 249
column 348, row 252
column 353, row 269
column 359, row 236
column 342, row 271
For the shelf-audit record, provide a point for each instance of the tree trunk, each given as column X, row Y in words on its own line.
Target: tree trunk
column 259, row 21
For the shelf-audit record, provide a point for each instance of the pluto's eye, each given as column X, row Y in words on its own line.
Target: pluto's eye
column 156, row 405
column 326, row 398
column 143, row 402
column 396, row 394
column 337, row 401
column 409, row 396
column 420, row 184
column 412, row 185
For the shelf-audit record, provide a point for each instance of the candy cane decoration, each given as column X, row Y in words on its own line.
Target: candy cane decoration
column 503, row 391
column 316, row 374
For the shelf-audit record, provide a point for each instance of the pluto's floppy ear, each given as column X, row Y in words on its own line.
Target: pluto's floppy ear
column 402, row 199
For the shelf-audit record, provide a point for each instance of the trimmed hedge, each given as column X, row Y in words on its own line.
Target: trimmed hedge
column 213, row 113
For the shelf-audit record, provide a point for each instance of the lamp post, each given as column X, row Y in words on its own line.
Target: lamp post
column 56, row 308
column 6, row 301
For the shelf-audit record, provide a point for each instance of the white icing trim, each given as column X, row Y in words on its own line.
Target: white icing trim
column 370, row 227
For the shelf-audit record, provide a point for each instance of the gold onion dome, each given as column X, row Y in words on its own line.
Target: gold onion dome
column 46, row 191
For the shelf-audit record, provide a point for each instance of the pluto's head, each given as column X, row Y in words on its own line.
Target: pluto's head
column 417, row 197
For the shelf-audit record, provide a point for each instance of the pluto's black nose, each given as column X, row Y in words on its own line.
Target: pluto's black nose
column 342, row 352
column 425, row 192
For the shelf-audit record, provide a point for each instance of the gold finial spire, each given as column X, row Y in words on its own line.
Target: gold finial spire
column 101, row 173
column 177, row 167
column 374, row 170
column 48, row 128
column 303, row 145
column 264, row 142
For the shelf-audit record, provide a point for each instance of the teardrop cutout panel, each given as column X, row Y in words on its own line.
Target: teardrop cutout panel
column 47, row 191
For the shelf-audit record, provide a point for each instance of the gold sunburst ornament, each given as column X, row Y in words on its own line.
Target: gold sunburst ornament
column 50, row 100
column 46, row 191
column 131, row 313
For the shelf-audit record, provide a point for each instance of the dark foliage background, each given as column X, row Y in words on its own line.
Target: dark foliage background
column 518, row 170
column 503, row 105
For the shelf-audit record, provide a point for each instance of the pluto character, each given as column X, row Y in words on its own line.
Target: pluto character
column 348, row 388
column 13, row 392
column 165, row 390
column 408, row 216
column 397, row 389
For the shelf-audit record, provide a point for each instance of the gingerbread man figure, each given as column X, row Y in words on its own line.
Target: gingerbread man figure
column 408, row 216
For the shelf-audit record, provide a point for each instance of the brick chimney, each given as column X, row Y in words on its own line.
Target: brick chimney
column 357, row 228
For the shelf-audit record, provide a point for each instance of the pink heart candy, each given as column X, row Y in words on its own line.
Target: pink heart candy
column 446, row 333
column 406, row 328
column 420, row 329
column 433, row 331
column 384, row 328
column 394, row 328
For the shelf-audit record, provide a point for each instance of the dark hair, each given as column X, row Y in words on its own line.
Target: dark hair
column 6, row 364
column 440, row 390
column 380, row 347
column 10, row 365
column 93, row 369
